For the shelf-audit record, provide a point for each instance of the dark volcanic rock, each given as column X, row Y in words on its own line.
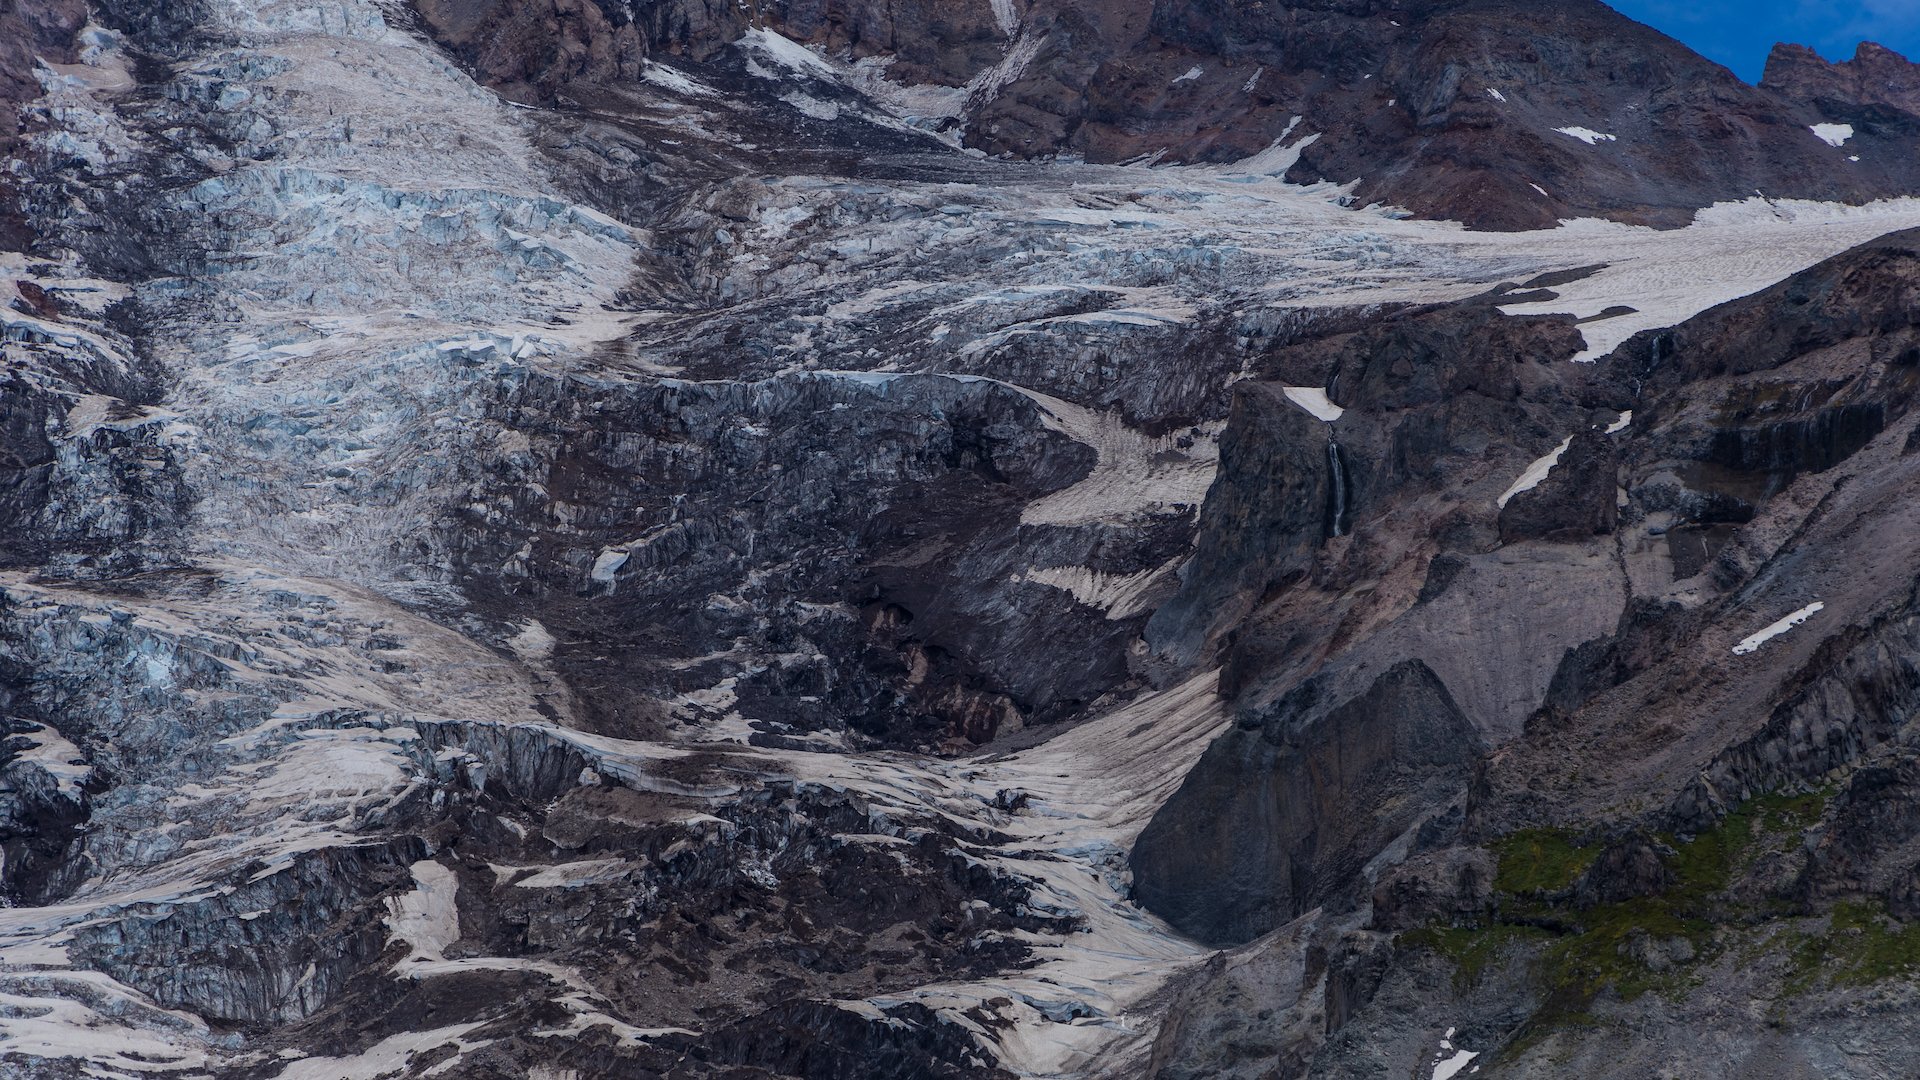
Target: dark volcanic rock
column 530, row 50
column 1283, row 811
column 1268, row 513
column 1450, row 108
column 267, row 948
column 1577, row 500
column 1627, row 869
column 1447, row 887
column 820, row 1041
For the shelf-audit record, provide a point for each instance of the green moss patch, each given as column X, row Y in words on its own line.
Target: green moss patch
column 1535, row 861
column 1657, row 943
column 1862, row 945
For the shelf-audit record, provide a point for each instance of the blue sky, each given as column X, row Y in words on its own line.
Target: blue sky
column 1738, row 33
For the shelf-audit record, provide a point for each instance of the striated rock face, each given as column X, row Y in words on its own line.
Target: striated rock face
column 1272, row 507
column 562, row 538
column 1283, row 812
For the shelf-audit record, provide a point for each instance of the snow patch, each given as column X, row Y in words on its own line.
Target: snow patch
column 787, row 53
column 1192, row 73
column 1121, row 596
column 1586, row 135
column 107, row 1029
column 428, row 918
column 1535, row 473
column 1451, row 1059
column 388, row 1057
column 607, row 564
column 1133, row 474
column 676, row 81
column 1833, row 134
column 1753, row 643
column 57, row 758
column 1730, row 251
column 986, row 86
column 533, row 643
column 812, row 106
column 1314, row 400
column 1276, row 159
column 1496, row 95
column 1448, row 1068
column 576, row 875
column 1620, row 425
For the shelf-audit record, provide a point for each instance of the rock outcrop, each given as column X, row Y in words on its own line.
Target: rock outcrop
column 1875, row 86
column 1284, row 811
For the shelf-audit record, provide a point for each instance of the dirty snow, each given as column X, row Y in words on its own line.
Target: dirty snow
column 388, row 1057
column 43, row 748
column 1135, row 474
column 576, row 875
column 1121, row 596
column 1315, row 401
column 427, row 918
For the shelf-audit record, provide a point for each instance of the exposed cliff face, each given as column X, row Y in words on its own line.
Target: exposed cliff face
column 573, row 539
column 1876, row 85
column 1285, row 811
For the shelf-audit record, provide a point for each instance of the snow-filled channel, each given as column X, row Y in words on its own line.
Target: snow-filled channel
column 1753, row 643
column 1535, row 473
column 1315, row 401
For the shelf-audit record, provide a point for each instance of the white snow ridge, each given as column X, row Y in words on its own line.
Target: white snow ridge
column 1753, row 642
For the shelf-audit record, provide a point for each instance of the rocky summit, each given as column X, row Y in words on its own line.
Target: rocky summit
column 988, row 539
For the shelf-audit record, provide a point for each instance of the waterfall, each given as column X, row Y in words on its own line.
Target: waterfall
column 1337, row 483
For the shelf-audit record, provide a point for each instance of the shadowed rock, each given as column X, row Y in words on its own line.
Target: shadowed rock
column 1286, row 808
column 1578, row 500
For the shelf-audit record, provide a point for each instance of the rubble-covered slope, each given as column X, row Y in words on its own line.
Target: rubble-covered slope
column 578, row 539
